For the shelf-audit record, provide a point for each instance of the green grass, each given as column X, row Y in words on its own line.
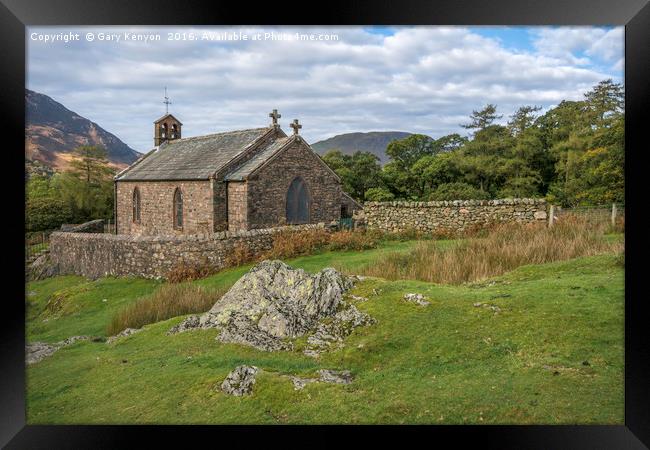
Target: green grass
column 447, row 363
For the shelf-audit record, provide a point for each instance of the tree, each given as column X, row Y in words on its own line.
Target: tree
column 479, row 120
column 46, row 213
column 605, row 100
column 87, row 186
column 522, row 119
column 359, row 171
column 406, row 152
column 379, row 194
column 458, row 191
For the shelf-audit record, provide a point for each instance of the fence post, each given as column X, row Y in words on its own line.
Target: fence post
column 613, row 214
column 551, row 215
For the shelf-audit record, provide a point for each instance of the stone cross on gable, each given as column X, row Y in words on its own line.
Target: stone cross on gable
column 296, row 126
column 275, row 116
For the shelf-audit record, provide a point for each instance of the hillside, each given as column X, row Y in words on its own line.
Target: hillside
column 510, row 361
column 374, row 142
column 52, row 131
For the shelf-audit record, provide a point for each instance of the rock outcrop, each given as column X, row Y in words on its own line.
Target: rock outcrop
column 42, row 267
column 123, row 333
column 274, row 303
column 37, row 351
column 324, row 376
column 94, row 226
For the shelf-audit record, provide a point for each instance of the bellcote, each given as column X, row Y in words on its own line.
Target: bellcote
column 167, row 128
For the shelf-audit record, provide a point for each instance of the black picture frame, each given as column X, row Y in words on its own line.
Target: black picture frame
column 634, row 14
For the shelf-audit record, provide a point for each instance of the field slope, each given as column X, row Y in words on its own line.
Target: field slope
column 551, row 352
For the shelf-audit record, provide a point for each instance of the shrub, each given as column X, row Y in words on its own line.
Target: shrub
column 506, row 247
column 169, row 300
column 458, row 191
column 46, row 213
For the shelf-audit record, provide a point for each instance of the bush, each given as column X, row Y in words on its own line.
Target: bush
column 506, row 247
column 170, row 300
column 46, row 213
column 379, row 195
column 458, row 191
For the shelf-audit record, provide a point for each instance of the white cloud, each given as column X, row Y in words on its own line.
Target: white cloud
column 424, row 79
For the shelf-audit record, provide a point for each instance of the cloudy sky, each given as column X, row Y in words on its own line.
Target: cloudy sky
column 417, row 79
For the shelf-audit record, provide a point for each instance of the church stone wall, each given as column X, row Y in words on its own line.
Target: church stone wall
column 97, row 255
column 237, row 206
column 156, row 207
column 267, row 188
column 453, row 216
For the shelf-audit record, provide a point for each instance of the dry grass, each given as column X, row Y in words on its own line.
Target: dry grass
column 505, row 248
column 354, row 240
column 241, row 254
column 170, row 300
column 289, row 244
column 188, row 272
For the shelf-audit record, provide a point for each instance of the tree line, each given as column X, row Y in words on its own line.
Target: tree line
column 573, row 155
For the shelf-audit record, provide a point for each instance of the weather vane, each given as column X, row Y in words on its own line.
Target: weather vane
column 167, row 102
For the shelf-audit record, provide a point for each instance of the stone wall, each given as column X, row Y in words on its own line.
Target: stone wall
column 267, row 188
column 454, row 216
column 97, row 255
column 237, row 206
column 156, row 207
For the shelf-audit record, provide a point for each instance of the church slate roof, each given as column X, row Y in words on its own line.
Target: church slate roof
column 194, row 158
column 263, row 155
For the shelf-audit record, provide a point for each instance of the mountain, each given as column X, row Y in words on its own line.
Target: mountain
column 374, row 142
column 52, row 132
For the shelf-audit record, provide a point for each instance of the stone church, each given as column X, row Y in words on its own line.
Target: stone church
column 235, row 180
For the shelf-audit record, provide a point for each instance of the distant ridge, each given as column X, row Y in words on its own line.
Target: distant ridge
column 52, row 131
column 374, row 142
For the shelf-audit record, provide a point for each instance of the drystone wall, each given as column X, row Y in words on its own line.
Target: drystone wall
column 450, row 216
column 96, row 255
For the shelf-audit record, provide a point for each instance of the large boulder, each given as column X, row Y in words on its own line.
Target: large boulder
column 94, row 226
column 42, row 267
column 274, row 303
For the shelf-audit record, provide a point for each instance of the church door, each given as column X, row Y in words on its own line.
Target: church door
column 298, row 202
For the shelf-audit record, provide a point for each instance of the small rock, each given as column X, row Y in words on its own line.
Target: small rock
column 240, row 381
column 418, row 299
column 123, row 333
column 299, row 383
column 335, row 376
column 357, row 298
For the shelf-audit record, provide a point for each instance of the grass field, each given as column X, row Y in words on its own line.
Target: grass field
column 553, row 354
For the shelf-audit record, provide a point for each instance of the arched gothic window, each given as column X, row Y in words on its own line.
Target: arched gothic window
column 163, row 133
column 178, row 209
column 136, row 205
column 298, row 200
